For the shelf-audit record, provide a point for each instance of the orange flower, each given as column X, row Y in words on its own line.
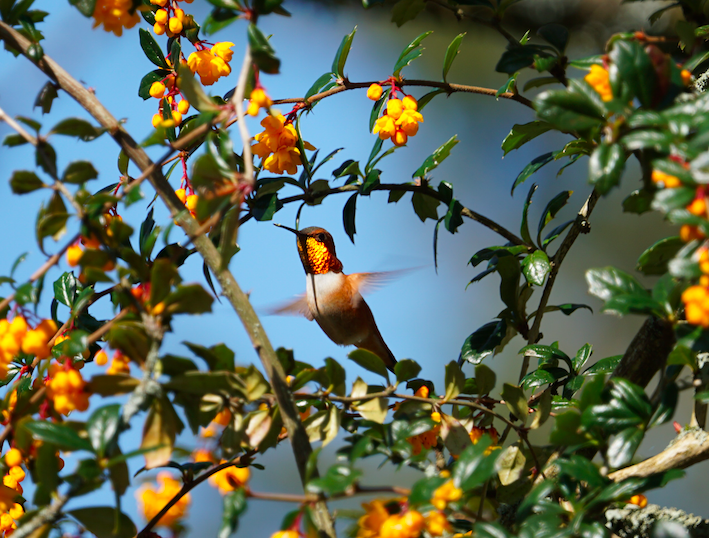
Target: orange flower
column 230, row 479
column 151, row 500
column 115, row 15
column 599, row 80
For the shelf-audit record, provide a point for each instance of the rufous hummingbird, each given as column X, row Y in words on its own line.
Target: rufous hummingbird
column 334, row 299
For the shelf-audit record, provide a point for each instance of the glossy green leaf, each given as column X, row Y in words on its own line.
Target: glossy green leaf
column 78, row 172
column 606, row 167
column 622, row 447
column 24, row 181
column 516, row 401
column 102, row 427
column 632, row 67
column 451, row 53
column 570, row 110
column 654, row 260
column 535, row 267
column 95, row 519
column 369, row 361
column 78, row 128
column 531, row 168
column 348, row 216
column 523, row 133
column 64, row 437
column 437, row 157
column 483, row 341
column 262, row 53
column 406, row 10
column 338, row 64
column 551, row 210
column 152, row 49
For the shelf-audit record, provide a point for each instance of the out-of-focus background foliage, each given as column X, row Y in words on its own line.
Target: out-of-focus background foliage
column 424, row 315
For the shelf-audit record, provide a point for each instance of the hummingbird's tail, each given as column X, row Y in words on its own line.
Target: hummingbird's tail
column 375, row 343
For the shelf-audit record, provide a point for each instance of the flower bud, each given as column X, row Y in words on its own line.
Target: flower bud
column 374, row 92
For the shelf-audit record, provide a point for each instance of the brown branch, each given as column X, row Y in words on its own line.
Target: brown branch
column 448, row 87
column 689, row 448
column 230, row 288
column 189, row 486
column 579, row 225
column 466, row 212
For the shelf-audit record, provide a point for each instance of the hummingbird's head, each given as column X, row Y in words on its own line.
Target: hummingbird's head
column 316, row 249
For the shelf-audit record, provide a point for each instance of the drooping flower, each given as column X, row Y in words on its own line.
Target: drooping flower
column 211, row 64
column 276, row 145
column 115, row 15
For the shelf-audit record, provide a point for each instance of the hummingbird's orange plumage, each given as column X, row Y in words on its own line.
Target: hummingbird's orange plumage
column 333, row 299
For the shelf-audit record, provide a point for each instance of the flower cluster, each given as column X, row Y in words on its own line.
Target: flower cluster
column 389, row 519
column 190, row 200
column 166, row 91
column 276, row 145
column 399, row 121
column 17, row 336
column 427, row 439
column 211, row 64
column 66, row 388
column 10, row 511
column 173, row 24
column 230, row 479
column 115, row 15
column 120, row 364
column 151, row 500
column 9, row 406
column 445, row 494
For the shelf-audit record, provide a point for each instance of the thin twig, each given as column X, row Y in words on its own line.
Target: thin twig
column 579, row 224
column 58, row 184
column 448, row 87
column 239, row 105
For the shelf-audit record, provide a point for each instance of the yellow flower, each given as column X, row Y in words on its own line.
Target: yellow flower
column 639, row 500
column 374, row 92
column 115, row 15
column 211, row 64
column 119, row 365
column 445, row 494
column 599, row 80
column 666, row 180
column 696, row 305
column 291, row 533
column 276, row 145
column 437, row 524
column 157, row 90
column 406, row 525
column 371, row 522
column 385, row 126
column 66, row 390
column 686, row 77
column 151, row 500
column 230, row 479
column 73, row 255
column 258, row 100
column 13, row 457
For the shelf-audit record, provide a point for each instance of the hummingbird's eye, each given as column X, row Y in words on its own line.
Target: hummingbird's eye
column 320, row 237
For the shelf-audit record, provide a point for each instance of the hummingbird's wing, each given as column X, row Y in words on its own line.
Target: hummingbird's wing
column 296, row 307
column 366, row 282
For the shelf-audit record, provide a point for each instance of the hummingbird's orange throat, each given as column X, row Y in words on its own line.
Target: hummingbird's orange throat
column 317, row 257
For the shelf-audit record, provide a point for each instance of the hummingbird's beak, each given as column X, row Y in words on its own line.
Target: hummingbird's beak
column 296, row 232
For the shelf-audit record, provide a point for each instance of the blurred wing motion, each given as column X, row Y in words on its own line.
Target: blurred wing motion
column 367, row 282
column 297, row 307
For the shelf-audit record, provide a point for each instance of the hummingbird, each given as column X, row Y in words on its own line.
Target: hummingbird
column 333, row 299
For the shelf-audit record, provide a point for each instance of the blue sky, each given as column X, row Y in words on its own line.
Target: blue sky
column 423, row 315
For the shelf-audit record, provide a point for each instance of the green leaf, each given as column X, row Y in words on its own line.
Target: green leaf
column 188, row 299
column 518, row 57
column 485, row 379
column 102, row 427
column 604, row 366
column 516, row 401
column 532, row 167
column 454, row 380
column 622, row 448
column 631, row 66
column 606, row 166
column 579, row 468
column 194, row 93
column 483, row 341
column 666, row 410
column 261, row 51
column 406, row 369
column 85, row 7
column 79, row 172
column 348, row 216
column 338, row 64
column 410, row 53
column 78, row 128
column 64, row 437
column 570, row 110
column 654, row 261
column 535, row 267
column 65, row 288
column 551, row 210
column 638, row 202
column 23, row 182
column 510, row 465
column 101, row 521
column 336, row 375
column 425, row 207
column 369, row 361
column 319, row 83
column 451, row 53
column 406, row 10
column 609, row 282
column 473, row 466
column 235, row 504
column 582, row 357
column 508, row 87
column 523, row 133
column 152, row 49
column 433, row 160
column 524, row 226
